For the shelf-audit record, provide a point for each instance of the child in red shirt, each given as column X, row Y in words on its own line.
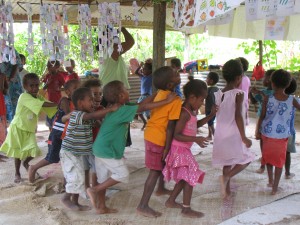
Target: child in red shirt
column 70, row 74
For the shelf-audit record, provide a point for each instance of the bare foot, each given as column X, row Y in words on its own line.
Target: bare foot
column 163, row 192
column 174, row 204
column 260, row 170
column 26, row 166
column 276, row 190
column 106, row 211
column 188, row 212
column 223, row 183
column 31, row 174
column 18, row 178
column 84, row 207
column 69, row 204
column 148, row 212
column 270, row 184
column 289, row 176
column 93, row 196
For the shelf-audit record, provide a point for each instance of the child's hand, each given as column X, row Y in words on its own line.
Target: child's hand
column 247, row 142
column 165, row 153
column 254, row 90
column 201, row 141
column 171, row 97
column 257, row 135
column 214, row 110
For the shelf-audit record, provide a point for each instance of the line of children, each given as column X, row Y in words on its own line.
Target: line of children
column 211, row 80
column 274, row 126
column 181, row 165
column 20, row 142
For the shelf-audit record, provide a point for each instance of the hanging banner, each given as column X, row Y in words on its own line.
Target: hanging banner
column 251, row 9
column 222, row 19
column 266, row 9
column 275, row 28
column 284, row 7
column 297, row 7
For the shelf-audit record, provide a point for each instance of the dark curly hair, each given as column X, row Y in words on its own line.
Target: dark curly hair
column 30, row 76
column 244, row 62
column 213, row 76
column 111, row 91
column 232, row 69
column 194, row 87
column 292, row 87
column 92, row 83
column 281, row 78
column 162, row 76
column 80, row 94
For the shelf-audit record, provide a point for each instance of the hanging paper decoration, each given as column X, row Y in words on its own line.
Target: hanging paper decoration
column 8, row 53
column 30, row 42
column 85, row 31
column 109, row 29
column 66, row 50
column 135, row 13
column 275, row 28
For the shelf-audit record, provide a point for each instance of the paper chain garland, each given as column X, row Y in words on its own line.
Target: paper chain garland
column 7, row 49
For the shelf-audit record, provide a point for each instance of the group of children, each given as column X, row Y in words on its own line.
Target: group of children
column 76, row 140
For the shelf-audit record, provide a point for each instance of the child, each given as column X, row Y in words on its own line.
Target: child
column 70, row 74
column 291, row 148
column 146, row 88
column 20, row 142
column 53, row 80
column 109, row 150
column 55, row 137
column 95, row 86
column 245, row 85
column 158, row 136
column 176, row 65
column 78, row 143
column 211, row 80
column 259, row 96
column 181, row 165
column 230, row 149
column 274, row 126
column 22, row 71
column 3, row 90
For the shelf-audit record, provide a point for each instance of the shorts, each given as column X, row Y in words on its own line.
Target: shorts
column 54, row 146
column 153, row 156
column 211, row 121
column 274, row 151
column 73, row 169
column 291, row 144
column 113, row 168
column 142, row 98
column 89, row 162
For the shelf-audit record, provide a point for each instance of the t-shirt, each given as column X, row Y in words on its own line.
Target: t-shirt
column 27, row 112
column 79, row 137
column 111, row 140
column 146, row 84
column 156, row 128
column 70, row 76
column 210, row 99
column 114, row 70
column 55, row 82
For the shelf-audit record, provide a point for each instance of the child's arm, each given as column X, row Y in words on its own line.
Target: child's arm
column 203, row 121
column 183, row 119
column 169, row 137
column 261, row 118
column 240, row 121
column 65, row 118
column 49, row 104
column 148, row 103
column 65, row 105
column 99, row 114
column 2, row 80
column 296, row 104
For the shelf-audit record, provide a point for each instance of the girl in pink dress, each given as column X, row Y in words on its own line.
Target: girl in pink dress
column 230, row 149
column 181, row 165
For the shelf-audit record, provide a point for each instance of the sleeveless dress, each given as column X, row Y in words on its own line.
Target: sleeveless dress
column 228, row 148
column 180, row 162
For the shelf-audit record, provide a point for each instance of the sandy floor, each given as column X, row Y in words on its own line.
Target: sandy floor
column 39, row 203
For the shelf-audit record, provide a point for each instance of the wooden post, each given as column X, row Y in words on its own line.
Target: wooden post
column 159, row 30
column 187, row 48
column 260, row 45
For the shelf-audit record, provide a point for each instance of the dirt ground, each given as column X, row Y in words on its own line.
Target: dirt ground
column 39, row 203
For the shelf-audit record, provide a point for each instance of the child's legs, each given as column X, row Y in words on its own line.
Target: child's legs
column 171, row 203
column 33, row 169
column 270, row 175
column 161, row 190
column 141, row 115
column 26, row 162
column 236, row 169
column 287, row 163
column 187, row 196
column 277, row 176
column 86, row 171
column 17, row 170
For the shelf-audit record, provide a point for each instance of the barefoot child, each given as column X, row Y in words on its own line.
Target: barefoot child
column 110, row 143
column 211, row 80
column 55, row 138
column 20, row 142
column 181, row 165
column 158, row 136
column 274, row 126
column 78, row 143
column 230, row 149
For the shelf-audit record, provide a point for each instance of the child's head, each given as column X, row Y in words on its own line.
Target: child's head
column 292, row 87
column 82, row 99
column 23, row 59
column 165, row 78
column 280, row 79
column 176, row 64
column 70, row 86
column 245, row 63
column 267, row 78
column 212, row 78
column 53, row 66
column 70, row 68
column 232, row 72
column 95, row 86
column 31, row 83
column 115, row 92
column 147, row 69
column 195, row 91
